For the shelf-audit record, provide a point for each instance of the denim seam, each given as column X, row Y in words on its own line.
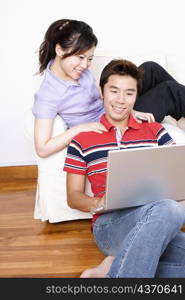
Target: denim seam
column 177, row 246
column 171, row 264
column 138, row 226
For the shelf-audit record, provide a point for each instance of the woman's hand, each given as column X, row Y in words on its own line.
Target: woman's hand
column 94, row 126
column 141, row 116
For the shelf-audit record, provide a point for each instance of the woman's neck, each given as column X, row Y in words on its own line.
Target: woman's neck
column 55, row 68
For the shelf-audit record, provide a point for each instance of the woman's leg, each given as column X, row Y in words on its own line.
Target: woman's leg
column 154, row 74
column 161, row 94
column 137, row 237
column 167, row 98
column 172, row 261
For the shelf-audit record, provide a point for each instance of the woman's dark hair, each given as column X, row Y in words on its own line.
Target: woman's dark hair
column 121, row 67
column 76, row 36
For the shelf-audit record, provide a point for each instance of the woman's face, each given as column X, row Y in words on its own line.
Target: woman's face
column 73, row 66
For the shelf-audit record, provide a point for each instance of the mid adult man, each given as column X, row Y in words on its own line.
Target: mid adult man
column 143, row 241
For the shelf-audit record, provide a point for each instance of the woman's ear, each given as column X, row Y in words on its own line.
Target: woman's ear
column 58, row 50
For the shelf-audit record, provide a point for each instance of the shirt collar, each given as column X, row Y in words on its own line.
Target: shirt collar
column 131, row 122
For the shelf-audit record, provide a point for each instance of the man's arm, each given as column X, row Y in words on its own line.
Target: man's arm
column 76, row 196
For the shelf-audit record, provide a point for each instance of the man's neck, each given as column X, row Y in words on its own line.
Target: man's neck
column 122, row 125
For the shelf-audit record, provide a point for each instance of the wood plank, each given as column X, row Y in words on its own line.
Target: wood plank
column 14, row 185
column 31, row 248
column 18, row 172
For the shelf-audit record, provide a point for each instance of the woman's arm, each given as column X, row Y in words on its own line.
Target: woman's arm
column 46, row 145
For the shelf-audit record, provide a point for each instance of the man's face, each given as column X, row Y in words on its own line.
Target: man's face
column 119, row 97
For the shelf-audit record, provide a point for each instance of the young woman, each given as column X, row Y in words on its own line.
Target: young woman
column 68, row 88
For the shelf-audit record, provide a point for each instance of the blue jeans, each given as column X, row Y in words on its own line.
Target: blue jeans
column 146, row 241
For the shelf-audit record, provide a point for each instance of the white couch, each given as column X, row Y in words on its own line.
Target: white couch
column 50, row 202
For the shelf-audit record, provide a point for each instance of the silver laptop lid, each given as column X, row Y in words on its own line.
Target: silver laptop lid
column 140, row 175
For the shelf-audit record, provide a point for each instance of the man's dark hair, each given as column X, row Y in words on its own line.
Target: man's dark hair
column 121, row 67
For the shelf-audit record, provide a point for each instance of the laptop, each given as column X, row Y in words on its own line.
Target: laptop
column 141, row 175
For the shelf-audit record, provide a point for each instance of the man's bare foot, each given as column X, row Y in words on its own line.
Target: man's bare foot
column 181, row 123
column 99, row 271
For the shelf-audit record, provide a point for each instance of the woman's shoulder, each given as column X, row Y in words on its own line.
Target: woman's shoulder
column 47, row 100
column 50, row 89
column 45, row 90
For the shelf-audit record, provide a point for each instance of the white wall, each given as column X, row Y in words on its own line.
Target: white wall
column 153, row 27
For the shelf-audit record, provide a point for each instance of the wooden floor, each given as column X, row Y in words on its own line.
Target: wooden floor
column 31, row 248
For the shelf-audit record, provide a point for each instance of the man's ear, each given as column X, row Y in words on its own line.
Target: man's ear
column 58, row 50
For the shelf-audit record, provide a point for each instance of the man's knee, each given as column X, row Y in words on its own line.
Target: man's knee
column 171, row 212
column 150, row 65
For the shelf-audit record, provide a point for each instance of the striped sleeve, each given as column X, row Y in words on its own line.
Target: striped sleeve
column 74, row 162
column 163, row 137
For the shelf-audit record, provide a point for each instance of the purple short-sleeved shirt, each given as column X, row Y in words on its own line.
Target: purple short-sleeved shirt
column 75, row 102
